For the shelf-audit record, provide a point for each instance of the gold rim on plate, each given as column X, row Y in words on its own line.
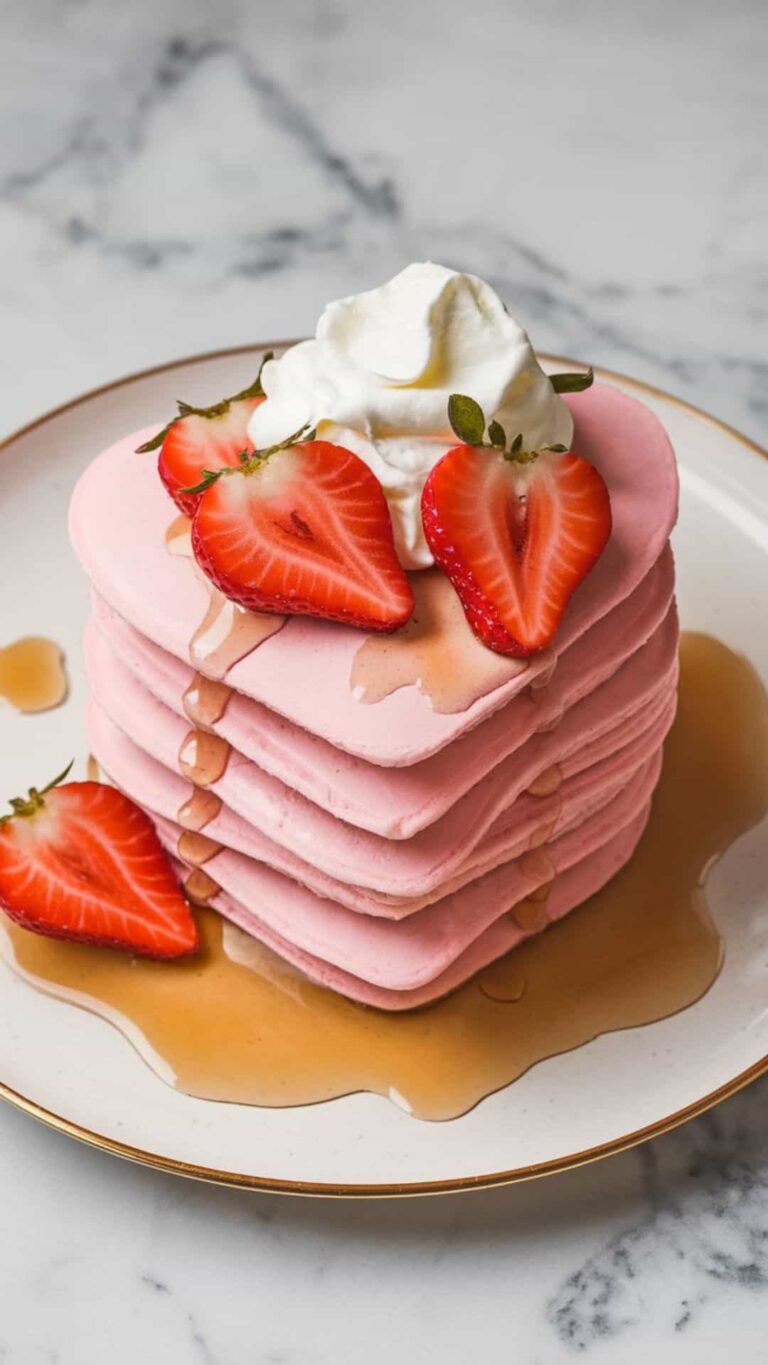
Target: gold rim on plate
column 156, row 1160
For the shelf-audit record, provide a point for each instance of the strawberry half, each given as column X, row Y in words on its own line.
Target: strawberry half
column 204, row 438
column 303, row 528
column 82, row 862
column 515, row 531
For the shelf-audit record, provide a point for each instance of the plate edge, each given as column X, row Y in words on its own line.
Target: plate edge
column 157, row 1161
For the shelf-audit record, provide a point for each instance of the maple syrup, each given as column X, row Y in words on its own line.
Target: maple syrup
column 203, row 757
column 548, row 782
column 197, row 812
column 237, row 1023
column 225, row 635
column 32, row 674
column 435, row 651
column 228, row 631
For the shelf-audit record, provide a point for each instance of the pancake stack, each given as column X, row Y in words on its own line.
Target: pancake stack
column 389, row 814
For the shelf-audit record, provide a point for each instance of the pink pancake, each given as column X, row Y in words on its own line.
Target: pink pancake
column 569, row 890
column 526, row 824
column 120, row 513
column 398, row 802
column 474, row 834
column 404, row 954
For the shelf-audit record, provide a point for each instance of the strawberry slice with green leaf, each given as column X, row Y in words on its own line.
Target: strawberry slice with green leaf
column 204, row 438
column 80, row 861
column 302, row 528
column 516, row 531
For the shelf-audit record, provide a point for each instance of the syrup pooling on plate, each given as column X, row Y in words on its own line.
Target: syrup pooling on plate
column 32, row 674
column 239, row 1024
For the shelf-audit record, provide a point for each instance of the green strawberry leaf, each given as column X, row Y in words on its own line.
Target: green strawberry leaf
column 210, row 476
column 572, row 383
column 255, row 390
column 466, row 418
column 157, row 440
column 497, row 435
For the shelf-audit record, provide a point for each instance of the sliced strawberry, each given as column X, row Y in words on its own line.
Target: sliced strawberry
column 515, row 532
column 196, row 442
column 82, row 862
column 200, row 439
column 303, row 529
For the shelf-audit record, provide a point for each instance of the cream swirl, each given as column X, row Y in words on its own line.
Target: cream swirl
column 379, row 372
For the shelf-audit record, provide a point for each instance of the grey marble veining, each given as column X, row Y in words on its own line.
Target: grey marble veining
column 186, row 175
column 660, row 1250
column 182, row 175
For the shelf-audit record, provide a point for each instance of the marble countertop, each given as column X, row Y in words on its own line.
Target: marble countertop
column 184, row 175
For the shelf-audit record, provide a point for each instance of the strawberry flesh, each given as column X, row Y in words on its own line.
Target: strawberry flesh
column 87, row 865
column 306, row 532
column 515, row 538
column 203, row 441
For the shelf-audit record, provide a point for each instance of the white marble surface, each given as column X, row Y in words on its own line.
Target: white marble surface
column 182, row 175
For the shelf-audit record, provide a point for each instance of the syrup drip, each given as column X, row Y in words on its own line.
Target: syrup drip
column 548, row 782
column 203, row 757
column 178, row 537
column 199, row 887
column 543, row 833
column 436, row 652
column 32, row 675
column 530, row 915
column 237, row 1023
column 195, row 848
column 228, row 631
column 92, row 769
column 548, row 723
column 536, row 866
column 202, row 807
column 225, row 635
column 501, row 984
column 547, row 662
column 205, row 701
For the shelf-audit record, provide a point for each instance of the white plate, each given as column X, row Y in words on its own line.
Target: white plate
column 75, row 1072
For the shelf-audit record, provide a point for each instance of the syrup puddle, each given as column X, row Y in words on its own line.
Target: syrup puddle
column 32, row 674
column 238, row 1024
column 226, row 634
column 436, row 652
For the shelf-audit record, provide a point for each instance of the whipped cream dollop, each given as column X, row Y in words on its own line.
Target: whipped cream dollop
column 378, row 375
